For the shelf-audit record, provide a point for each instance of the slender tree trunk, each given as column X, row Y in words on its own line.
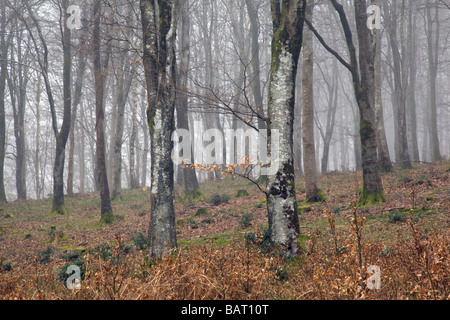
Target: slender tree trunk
column 76, row 102
column 400, row 82
column 433, row 56
column 313, row 192
column 383, row 150
column 106, row 209
column 38, row 140
column 191, row 186
column 280, row 189
column 412, row 43
column 133, row 179
column 17, row 83
column 62, row 136
column 3, row 71
column 159, row 66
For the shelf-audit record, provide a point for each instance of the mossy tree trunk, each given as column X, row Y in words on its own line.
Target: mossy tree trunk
column 288, row 17
column 159, row 32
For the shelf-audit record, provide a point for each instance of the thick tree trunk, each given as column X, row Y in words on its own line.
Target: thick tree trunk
column 280, row 189
column 159, row 66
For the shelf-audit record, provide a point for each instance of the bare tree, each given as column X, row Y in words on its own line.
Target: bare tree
column 362, row 71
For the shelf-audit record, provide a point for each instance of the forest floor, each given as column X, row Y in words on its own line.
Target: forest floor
column 224, row 252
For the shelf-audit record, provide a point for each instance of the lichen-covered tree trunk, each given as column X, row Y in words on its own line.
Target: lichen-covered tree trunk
column 280, row 189
column 159, row 31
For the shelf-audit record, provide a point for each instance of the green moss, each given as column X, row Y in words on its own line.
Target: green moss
column 192, row 196
column 58, row 209
column 320, row 197
column 370, row 199
column 242, row 193
column 107, row 218
column 201, row 212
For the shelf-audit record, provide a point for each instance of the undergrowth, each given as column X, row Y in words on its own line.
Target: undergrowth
column 332, row 265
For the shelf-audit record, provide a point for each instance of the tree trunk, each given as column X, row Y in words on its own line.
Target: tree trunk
column 400, row 83
column 17, row 83
column 433, row 57
column 159, row 66
column 412, row 43
column 191, row 186
column 62, row 136
column 383, row 150
column 123, row 86
column 106, row 209
column 313, row 192
column 76, row 102
column 363, row 82
column 3, row 66
column 280, row 189
column 133, row 180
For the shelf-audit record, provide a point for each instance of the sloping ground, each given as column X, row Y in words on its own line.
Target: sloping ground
column 224, row 255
